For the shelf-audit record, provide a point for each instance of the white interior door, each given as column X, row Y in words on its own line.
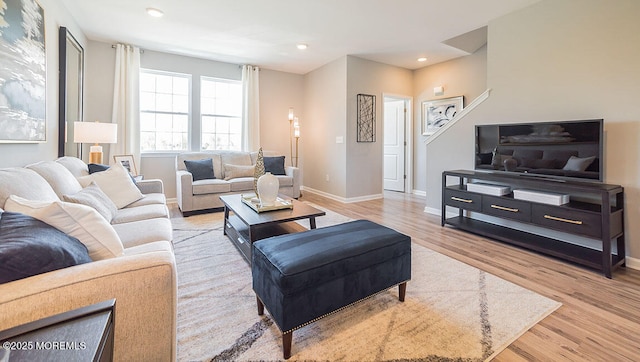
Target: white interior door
column 394, row 145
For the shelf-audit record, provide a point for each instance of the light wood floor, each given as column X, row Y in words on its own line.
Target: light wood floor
column 598, row 321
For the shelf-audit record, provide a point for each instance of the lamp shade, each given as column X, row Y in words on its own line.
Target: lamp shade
column 95, row 132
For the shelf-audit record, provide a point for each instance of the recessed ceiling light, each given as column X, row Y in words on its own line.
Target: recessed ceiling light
column 156, row 13
column 423, row 59
column 302, row 46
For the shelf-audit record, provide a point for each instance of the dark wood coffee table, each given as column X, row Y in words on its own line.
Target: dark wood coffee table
column 244, row 226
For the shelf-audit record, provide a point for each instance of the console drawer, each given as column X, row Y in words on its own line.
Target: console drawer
column 506, row 208
column 464, row 200
column 568, row 220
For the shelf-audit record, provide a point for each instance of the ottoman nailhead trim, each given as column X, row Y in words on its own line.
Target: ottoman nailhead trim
column 341, row 308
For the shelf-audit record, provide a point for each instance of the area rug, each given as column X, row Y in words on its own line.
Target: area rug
column 452, row 311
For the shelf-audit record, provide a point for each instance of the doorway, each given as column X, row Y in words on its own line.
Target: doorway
column 396, row 136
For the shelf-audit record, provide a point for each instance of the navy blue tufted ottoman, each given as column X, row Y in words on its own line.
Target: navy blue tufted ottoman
column 305, row 276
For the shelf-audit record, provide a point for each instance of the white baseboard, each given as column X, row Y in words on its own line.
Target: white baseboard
column 339, row 198
column 432, row 210
column 632, row 263
column 172, row 200
column 420, row 193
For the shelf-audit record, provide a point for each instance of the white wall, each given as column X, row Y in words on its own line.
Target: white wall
column 55, row 16
column 561, row 59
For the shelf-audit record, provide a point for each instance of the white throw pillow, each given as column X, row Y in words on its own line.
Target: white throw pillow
column 237, row 171
column 80, row 221
column 116, row 183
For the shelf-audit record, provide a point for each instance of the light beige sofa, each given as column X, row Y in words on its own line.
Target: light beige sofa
column 143, row 280
column 205, row 194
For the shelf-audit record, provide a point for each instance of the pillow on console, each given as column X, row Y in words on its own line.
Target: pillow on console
column 30, row 247
column 79, row 221
column 94, row 197
column 578, row 164
column 115, row 183
column 236, row 171
column 275, row 165
column 200, row 169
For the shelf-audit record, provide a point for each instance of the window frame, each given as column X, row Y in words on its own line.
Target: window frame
column 205, row 78
column 189, row 113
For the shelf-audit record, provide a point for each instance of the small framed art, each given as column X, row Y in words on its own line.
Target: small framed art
column 128, row 163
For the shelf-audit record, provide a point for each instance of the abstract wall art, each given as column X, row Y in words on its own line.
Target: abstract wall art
column 366, row 118
column 22, row 72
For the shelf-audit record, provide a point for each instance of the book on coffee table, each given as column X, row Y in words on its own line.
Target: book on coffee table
column 254, row 203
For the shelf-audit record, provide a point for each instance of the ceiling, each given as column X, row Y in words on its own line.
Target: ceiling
column 265, row 32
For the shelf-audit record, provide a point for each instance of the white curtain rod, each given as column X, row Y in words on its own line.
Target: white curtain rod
column 114, row 46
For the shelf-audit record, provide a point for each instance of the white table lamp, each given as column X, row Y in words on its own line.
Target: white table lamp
column 96, row 133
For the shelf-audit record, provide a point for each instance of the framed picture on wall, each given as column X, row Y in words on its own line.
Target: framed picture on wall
column 437, row 113
column 127, row 162
column 23, row 74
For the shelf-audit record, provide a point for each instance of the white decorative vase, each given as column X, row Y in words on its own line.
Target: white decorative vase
column 268, row 186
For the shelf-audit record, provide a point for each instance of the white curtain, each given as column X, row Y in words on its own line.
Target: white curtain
column 251, row 108
column 126, row 103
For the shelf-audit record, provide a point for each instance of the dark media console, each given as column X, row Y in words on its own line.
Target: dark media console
column 595, row 211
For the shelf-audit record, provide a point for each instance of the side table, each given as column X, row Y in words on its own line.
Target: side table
column 84, row 334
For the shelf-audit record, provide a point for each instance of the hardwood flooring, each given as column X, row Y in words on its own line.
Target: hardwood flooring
column 598, row 321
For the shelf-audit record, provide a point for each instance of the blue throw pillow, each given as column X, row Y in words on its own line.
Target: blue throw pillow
column 275, row 165
column 29, row 247
column 96, row 167
column 200, row 169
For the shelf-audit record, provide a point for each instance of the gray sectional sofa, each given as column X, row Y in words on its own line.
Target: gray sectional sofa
column 142, row 278
column 232, row 174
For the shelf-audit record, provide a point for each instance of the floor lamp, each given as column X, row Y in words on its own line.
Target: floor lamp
column 96, row 133
column 294, row 132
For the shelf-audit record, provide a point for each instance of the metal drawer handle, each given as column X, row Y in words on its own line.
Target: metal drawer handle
column 576, row 222
column 461, row 200
column 504, row 208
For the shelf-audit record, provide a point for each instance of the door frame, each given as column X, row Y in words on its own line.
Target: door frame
column 408, row 136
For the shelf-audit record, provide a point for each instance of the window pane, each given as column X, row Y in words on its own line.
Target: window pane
column 147, row 122
column 181, row 104
column 147, row 101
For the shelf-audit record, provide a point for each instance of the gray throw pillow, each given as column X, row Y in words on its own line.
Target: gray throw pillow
column 578, row 164
column 200, row 169
column 275, row 165
column 93, row 196
column 30, row 247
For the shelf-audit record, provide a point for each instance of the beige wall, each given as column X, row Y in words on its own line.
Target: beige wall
column 278, row 92
column 583, row 63
column 325, row 110
column 364, row 159
column 20, row 154
column 466, row 76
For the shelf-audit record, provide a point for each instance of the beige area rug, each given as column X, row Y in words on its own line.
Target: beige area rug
column 452, row 311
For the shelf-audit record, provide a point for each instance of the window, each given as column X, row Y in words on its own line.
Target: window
column 221, row 114
column 164, row 111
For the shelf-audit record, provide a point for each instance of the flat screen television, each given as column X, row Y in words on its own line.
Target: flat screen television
column 560, row 149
